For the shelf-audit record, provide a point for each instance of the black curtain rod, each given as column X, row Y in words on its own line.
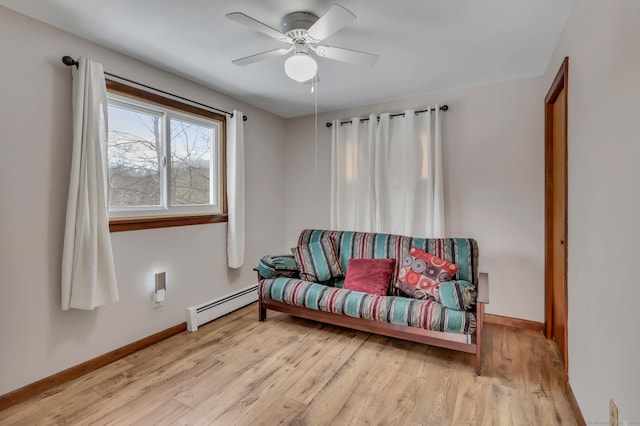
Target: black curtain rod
column 69, row 61
column 362, row 120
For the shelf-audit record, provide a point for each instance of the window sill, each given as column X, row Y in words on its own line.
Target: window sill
column 137, row 223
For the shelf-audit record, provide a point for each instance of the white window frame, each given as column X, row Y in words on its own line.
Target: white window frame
column 216, row 169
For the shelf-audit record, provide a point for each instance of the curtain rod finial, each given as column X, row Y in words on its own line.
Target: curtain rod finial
column 244, row 117
column 68, row 61
column 329, row 124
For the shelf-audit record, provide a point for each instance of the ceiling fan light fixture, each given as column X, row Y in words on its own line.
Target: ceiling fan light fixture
column 300, row 67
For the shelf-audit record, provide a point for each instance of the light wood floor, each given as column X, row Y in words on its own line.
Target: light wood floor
column 237, row 370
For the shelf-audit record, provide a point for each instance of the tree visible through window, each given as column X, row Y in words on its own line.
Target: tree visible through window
column 163, row 161
column 135, row 155
column 190, row 163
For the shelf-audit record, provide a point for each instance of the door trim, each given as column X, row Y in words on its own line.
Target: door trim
column 560, row 82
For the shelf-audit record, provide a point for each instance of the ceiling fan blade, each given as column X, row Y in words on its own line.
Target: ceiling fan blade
column 346, row 55
column 248, row 21
column 260, row 56
column 336, row 18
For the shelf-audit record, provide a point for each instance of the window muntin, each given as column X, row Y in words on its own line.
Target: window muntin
column 162, row 162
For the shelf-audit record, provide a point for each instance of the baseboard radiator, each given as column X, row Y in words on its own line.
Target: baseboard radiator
column 206, row 312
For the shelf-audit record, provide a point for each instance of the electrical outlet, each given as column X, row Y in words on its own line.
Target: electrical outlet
column 613, row 413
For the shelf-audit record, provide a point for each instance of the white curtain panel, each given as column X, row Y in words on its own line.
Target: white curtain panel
column 352, row 165
column 387, row 175
column 235, row 190
column 88, row 271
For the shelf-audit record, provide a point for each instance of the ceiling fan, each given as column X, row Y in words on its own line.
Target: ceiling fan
column 303, row 31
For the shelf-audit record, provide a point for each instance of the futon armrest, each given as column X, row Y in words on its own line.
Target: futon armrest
column 483, row 288
column 278, row 266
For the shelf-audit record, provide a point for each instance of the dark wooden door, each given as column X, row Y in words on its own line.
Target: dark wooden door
column 556, row 213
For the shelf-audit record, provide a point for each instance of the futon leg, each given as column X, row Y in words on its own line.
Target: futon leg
column 262, row 312
column 479, row 326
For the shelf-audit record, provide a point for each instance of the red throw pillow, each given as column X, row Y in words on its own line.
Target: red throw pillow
column 369, row 275
column 422, row 271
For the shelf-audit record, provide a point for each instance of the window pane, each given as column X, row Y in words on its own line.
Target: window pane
column 135, row 154
column 191, row 155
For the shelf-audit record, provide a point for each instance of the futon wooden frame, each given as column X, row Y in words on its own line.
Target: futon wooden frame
column 459, row 342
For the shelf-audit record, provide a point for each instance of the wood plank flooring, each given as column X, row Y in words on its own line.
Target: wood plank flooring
column 238, row 371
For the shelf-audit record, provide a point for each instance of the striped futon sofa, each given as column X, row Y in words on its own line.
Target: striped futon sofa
column 423, row 321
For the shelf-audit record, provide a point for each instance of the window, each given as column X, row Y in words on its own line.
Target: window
column 165, row 161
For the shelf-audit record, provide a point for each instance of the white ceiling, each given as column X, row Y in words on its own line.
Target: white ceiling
column 425, row 46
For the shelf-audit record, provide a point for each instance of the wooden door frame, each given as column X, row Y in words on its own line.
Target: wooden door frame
column 560, row 82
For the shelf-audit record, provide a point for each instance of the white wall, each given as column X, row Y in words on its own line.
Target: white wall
column 494, row 177
column 37, row 339
column 602, row 42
